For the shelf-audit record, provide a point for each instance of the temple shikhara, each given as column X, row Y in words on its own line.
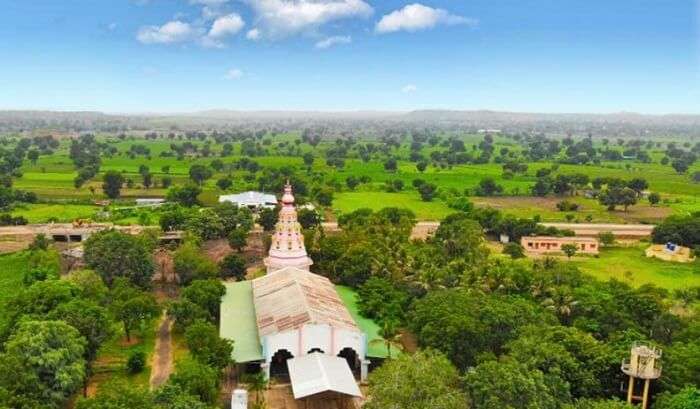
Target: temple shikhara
column 293, row 324
column 287, row 249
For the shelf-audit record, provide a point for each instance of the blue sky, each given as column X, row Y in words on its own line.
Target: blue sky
column 189, row 55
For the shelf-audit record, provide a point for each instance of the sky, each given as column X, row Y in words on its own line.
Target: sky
column 169, row 56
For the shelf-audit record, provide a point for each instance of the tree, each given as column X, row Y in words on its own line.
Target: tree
column 207, row 347
column 199, row 173
column 381, row 300
column 324, row 197
column 654, row 198
column 197, row 379
column 488, row 187
column 308, row 218
column 498, row 385
column 185, row 195
column 267, row 218
column 118, row 395
column 308, row 159
column 91, row 320
column 615, row 196
column 46, row 360
column 256, row 383
column 390, row 165
column 136, row 362
column 238, row 239
column 427, row 191
column 113, row 254
column 352, row 182
column 606, row 238
column 147, row 180
column 132, row 307
column 112, row 184
column 686, row 398
column 680, row 165
column 389, row 331
column 421, row 166
column 190, row 264
column 569, row 249
column 514, row 250
column 33, row 156
column 207, row 295
column 224, row 183
column 469, row 325
column 423, row 380
column 232, row 266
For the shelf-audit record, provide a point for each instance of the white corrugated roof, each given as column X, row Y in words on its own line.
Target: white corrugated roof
column 250, row 198
column 317, row 373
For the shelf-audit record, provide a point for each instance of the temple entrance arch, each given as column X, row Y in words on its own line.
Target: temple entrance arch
column 351, row 357
column 314, row 350
column 278, row 364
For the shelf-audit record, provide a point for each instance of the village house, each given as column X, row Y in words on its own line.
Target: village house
column 551, row 244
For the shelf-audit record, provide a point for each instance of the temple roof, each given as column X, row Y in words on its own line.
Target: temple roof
column 290, row 298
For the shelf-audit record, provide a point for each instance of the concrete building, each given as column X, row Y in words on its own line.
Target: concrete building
column 251, row 200
column 551, row 244
column 287, row 248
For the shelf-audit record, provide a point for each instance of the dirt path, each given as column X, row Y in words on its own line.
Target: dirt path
column 162, row 361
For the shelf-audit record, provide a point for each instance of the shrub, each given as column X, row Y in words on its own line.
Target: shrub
column 136, row 362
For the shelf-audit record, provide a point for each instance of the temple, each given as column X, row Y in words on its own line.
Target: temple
column 287, row 248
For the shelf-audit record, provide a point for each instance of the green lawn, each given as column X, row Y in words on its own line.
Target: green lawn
column 617, row 262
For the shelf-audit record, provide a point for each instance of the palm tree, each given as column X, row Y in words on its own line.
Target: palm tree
column 257, row 383
column 561, row 302
column 390, row 332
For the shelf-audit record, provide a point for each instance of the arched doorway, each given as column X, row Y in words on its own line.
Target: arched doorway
column 351, row 356
column 278, row 364
column 314, row 350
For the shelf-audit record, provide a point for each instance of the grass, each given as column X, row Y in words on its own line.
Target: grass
column 347, row 202
column 13, row 268
column 64, row 213
column 110, row 364
column 629, row 264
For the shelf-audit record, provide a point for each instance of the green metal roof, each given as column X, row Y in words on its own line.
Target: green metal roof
column 238, row 322
column 376, row 346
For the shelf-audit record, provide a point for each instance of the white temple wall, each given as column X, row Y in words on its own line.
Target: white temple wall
column 300, row 342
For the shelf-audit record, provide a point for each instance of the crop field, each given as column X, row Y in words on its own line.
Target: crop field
column 51, row 178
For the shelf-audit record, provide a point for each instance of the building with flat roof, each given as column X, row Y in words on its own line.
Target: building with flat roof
column 551, row 244
column 251, row 200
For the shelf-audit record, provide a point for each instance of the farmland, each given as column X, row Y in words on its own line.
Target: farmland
column 52, row 176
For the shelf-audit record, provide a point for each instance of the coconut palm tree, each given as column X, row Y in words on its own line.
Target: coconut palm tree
column 257, row 383
column 561, row 302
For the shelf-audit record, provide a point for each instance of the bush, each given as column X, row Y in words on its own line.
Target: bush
column 514, row 250
column 567, row 206
column 136, row 362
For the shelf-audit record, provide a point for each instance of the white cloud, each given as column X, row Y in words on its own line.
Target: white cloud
column 409, row 89
column 226, row 25
column 170, row 32
column 112, row 26
column 331, row 41
column 253, row 34
column 415, row 17
column 233, row 74
column 280, row 18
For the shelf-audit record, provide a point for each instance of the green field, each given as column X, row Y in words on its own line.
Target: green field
column 51, row 177
column 629, row 264
column 11, row 273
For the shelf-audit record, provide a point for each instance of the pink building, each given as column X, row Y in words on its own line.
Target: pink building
column 550, row 244
column 287, row 249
